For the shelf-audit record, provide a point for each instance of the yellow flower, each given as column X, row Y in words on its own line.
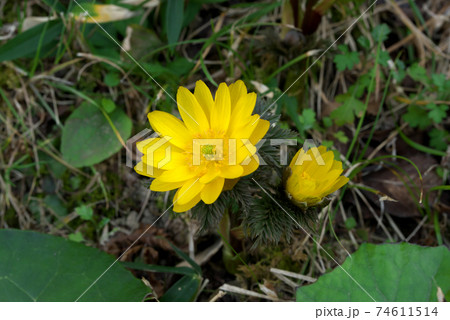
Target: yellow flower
column 314, row 175
column 211, row 148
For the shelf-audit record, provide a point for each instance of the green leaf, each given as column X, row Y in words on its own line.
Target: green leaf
column 347, row 60
column 291, row 105
column 40, row 267
column 188, row 259
column 388, row 272
column 437, row 112
column 327, row 122
column 56, row 5
column 26, row 43
column 346, row 112
column 87, row 137
column 308, row 119
column 439, row 139
column 418, row 73
column 417, row 117
column 77, row 237
column 184, row 290
column 111, row 79
column 340, row 135
column 383, row 58
column 438, row 80
column 364, row 42
column 155, row 268
column 108, row 105
column 350, row 223
column 381, row 32
column 174, row 19
column 85, row 212
column 400, row 74
column 55, row 204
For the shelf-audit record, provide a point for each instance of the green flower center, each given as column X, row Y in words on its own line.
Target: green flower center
column 208, row 151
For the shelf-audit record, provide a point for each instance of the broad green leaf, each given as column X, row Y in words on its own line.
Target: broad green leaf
column 174, row 19
column 41, row 267
column 388, row 272
column 184, row 290
column 26, row 43
column 88, row 138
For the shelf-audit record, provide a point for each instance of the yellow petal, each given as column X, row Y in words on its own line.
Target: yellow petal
column 323, row 165
column 187, row 206
column 147, row 170
column 210, row 175
column 340, row 182
column 262, row 126
column 244, row 152
column 144, row 144
column 160, row 186
column 251, row 166
column 337, row 165
column 243, row 128
column 237, row 90
column 170, row 127
column 330, row 180
column 305, row 161
column 244, row 107
column 212, row 190
column 181, row 173
column 204, row 97
column 189, row 190
column 220, row 114
column 190, row 110
column 231, row 172
column 160, row 154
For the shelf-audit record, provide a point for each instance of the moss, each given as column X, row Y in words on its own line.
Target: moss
column 9, row 78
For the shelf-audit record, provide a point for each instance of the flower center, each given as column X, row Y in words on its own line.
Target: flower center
column 208, row 151
column 306, row 176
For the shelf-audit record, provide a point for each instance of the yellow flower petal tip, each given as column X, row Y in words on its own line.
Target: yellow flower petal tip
column 209, row 149
column 314, row 174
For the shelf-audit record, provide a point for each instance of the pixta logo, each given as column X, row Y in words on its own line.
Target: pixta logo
column 151, row 151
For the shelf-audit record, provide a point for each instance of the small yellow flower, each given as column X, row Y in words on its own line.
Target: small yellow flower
column 314, row 175
column 209, row 150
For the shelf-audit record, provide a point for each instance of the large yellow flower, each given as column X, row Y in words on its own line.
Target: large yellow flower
column 214, row 144
column 314, row 175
